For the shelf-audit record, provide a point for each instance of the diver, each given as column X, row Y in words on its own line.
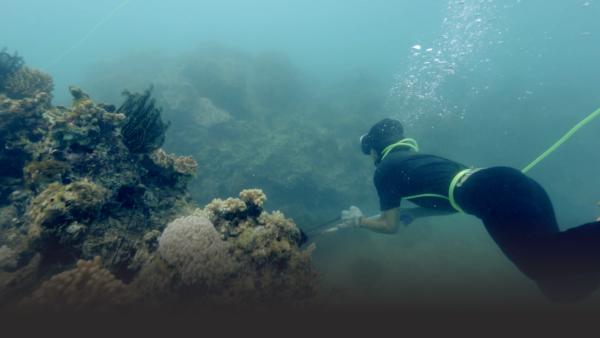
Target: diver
column 515, row 209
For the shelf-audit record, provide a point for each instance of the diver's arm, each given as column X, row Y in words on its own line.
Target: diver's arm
column 386, row 223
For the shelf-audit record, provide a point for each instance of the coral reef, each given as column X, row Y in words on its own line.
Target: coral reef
column 268, row 247
column 21, row 125
column 262, row 264
column 88, row 287
column 71, row 189
column 89, row 183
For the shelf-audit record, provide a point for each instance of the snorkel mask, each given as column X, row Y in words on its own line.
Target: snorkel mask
column 365, row 144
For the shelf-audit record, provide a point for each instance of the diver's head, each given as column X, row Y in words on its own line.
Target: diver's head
column 382, row 134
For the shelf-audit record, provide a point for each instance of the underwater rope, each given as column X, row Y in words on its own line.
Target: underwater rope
column 88, row 34
column 562, row 140
column 413, row 145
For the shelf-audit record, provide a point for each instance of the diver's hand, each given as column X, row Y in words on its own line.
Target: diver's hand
column 598, row 219
column 351, row 217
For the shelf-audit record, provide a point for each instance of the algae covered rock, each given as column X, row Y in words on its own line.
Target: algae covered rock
column 27, row 82
column 56, row 213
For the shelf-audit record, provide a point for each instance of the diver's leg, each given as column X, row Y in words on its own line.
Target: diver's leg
column 572, row 265
column 519, row 216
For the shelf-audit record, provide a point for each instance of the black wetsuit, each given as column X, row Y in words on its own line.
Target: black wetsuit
column 516, row 211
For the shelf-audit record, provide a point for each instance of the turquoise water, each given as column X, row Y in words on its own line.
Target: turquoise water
column 483, row 82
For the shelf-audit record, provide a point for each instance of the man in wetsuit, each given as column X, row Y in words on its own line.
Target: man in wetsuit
column 515, row 210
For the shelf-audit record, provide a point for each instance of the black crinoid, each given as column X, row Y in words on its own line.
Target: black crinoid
column 144, row 130
column 9, row 64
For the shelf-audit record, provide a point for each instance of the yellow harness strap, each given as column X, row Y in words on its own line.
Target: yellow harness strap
column 450, row 198
column 453, row 185
column 405, row 142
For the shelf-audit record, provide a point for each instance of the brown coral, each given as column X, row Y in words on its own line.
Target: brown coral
column 38, row 173
column 27, row 82
column 253, row 196
column 61, row 207
column 267, row 246
column 88, row 286
column 194, row 247
column 183, row 165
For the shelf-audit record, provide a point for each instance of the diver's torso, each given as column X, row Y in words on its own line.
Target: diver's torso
column 407, row 174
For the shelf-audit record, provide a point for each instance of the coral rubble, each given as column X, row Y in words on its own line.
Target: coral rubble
column 88, row 286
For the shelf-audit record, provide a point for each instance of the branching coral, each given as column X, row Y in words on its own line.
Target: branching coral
column 144, row 130
column 27, row 82
column 183, row 165
column 88, row 286
column 253, row 196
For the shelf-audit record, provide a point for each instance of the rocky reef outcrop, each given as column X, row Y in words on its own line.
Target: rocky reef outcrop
column 90, row 204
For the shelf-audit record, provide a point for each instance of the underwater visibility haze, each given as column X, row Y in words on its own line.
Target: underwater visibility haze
column 160, row 153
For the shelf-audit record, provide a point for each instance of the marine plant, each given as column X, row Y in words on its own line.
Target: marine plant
column 9, row 64
column 144, row 130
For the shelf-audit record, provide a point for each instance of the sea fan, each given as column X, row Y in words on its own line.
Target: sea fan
column 144, row 130
column 9, row 64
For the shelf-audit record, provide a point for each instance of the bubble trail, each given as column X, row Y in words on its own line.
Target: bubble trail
column 416, row 93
